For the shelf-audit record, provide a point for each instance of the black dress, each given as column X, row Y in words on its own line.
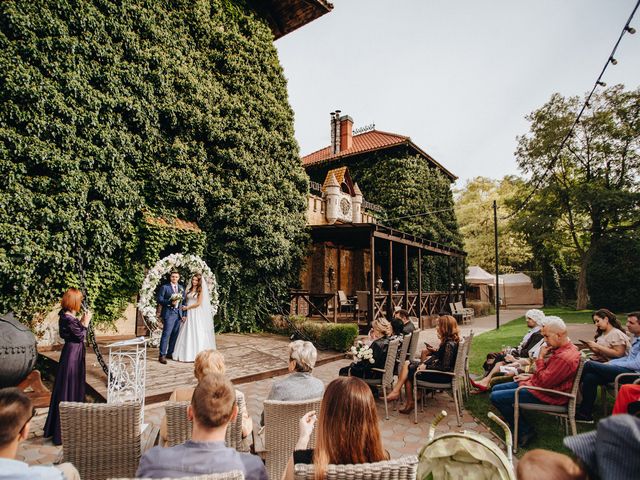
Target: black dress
column 70, row 378
column 444, row 359
column 364, row 369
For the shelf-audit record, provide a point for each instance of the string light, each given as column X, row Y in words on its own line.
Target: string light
column 599, row 83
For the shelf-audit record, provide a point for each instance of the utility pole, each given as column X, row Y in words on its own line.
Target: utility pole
column 495, row 241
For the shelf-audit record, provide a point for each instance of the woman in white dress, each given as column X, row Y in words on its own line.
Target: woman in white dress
column 196, row 333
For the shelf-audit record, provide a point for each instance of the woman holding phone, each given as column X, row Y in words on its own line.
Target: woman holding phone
column 443, row 359
column 610, row 340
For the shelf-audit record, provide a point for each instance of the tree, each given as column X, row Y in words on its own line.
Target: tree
column 591, row 186
column 474, row 210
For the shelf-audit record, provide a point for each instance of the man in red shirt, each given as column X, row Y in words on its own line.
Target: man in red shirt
column 556, row 368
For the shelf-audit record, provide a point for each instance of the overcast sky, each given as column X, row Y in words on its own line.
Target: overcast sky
column 457, row 76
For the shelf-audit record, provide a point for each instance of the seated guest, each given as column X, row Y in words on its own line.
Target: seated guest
column 348, row 429
column 518, row 357
column 207, row 361
column 540, row 464
column 597, row 373
column 532, row 340
column 213, row 407
column 300, row 384
column 16, row 412
column 610, row 340
column 407, row 325
column 627, row 395
column 556, row 371
column 380, row 332
column 443, row 359
column 608, row 451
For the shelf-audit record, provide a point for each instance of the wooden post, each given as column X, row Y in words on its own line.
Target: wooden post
column 372, row 285
column 406, row 277
column 420, row 287
column 390, row 284
column 464, row 281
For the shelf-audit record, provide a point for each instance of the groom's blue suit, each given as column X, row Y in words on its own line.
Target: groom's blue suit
column 171, row 318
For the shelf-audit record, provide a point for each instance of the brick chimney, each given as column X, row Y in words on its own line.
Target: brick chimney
column 341, row 132
column 346, row 133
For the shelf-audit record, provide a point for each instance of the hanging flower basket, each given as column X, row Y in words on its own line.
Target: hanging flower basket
column 148, row 303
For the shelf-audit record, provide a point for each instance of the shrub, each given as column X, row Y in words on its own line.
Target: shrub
column 339, row 336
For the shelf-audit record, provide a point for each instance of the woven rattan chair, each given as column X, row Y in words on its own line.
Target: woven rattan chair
column 467, row 379
column 566, row 412
column 179, row 426
column 614, row 388
column 403, row 468
column 103, row 440
column 402, row 356
column 386, row 381
column 454, row 387
column 281, row 427
column 232, row 475
column 413, row 345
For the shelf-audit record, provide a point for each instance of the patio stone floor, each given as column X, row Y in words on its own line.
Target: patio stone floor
column 401, row 436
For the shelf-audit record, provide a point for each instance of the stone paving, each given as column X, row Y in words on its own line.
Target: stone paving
column 401, row 436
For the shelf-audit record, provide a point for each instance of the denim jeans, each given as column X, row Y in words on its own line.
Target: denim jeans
column 594, row 374
column 503, row 397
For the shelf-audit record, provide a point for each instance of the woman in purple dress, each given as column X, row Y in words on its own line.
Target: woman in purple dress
column 70, row 379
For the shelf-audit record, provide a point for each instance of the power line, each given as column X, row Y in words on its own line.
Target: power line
column 420, row 214
column 611, row 60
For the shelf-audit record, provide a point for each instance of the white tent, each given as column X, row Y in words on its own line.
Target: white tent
column 515, row 279
column 479, row 276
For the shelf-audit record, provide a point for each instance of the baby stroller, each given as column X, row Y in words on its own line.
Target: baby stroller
column 465, row 455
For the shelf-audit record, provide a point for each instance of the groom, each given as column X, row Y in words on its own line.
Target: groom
column 171, row 315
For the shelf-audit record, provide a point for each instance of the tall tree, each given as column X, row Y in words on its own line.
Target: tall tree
column 592, row 184
column 474, row 210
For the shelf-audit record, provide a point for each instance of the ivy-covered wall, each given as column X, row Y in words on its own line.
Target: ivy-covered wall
column 405, row 184
column 110, row 108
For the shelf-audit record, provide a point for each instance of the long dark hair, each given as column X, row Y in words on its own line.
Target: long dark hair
column 609, row 315
column 198, row 289
column 348, row 428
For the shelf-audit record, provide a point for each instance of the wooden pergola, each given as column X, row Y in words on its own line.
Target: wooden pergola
column 390, row 242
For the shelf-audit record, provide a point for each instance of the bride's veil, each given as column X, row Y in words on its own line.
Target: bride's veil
column 205, row 305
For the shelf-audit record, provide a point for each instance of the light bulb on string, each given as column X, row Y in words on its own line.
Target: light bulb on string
column 629, row 29
column 613, row 61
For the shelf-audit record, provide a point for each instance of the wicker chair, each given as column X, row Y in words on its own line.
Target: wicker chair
column 455, row 386
column 403, row 468
column 615, row 388
column 467, row 379
column 103, row 440
column 232, row 475
column 386, row 381
column 566, row 412
column 413, row 345
column 179, row 426
column 402, row 356
column 281, row 420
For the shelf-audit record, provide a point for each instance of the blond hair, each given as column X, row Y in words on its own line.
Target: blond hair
column 383, row 326
column 208, row 361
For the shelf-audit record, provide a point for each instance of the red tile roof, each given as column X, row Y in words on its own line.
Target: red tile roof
column 369, row 142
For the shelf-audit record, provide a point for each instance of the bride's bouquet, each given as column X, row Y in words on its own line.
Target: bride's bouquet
column 362, row 352
column 175, row 299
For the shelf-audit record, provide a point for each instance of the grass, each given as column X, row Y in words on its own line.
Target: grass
column 550, row 431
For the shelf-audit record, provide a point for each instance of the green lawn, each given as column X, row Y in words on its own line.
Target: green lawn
column 549, row 430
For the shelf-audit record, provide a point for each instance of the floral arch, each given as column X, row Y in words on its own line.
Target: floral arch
column 190, row 264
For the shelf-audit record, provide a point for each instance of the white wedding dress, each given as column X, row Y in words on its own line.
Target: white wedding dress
column 197, row 332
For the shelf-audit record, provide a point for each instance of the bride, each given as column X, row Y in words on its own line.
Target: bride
column 196, row 333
